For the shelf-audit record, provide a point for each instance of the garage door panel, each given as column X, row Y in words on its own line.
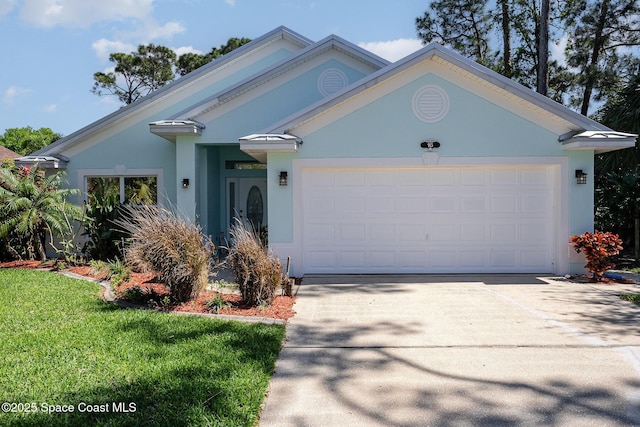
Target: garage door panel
column 443, row 177
column 376, row 205
column 351, row 204
column 503, row 258
column 352, row 233
column 444, row 204
column 411, row 205
column 352, row 260
column 320, row 232
column 504, row 204
column 474, row 219
column 504, row 176
column 412, row 232
column 321, row 261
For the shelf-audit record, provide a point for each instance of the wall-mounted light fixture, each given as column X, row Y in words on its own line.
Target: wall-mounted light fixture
column 429, row 144
column 283, row 178
column 185, row 183
column 581, row 176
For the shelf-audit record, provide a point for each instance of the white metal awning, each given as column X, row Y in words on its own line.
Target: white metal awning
column 45, row 162
column 170, row 129
column 257, row 145
column 599, row 141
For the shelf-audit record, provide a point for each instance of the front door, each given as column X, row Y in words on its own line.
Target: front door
column 247, row 199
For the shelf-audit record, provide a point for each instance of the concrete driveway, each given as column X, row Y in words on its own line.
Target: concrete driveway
column 457, row 350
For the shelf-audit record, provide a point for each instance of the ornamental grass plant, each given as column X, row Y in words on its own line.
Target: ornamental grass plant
column 164, row 242
column 258, row 273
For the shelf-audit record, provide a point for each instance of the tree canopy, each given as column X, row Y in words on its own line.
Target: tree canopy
column 150, row 67
column 26, row 140
column 598, row 60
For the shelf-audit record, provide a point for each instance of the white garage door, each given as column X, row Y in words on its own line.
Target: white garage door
column 427, row 220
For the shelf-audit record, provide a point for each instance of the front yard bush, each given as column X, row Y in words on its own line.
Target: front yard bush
column 33, row 209
column 597, row 248
column 175, row 248
column 258, row 273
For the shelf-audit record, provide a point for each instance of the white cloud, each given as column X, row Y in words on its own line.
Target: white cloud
column 186, row 49
column 14, row 92
column 394, row 49
column 51, row 108
column 150, row 30
column 82, row 13
column 558, row 48
column 103, row 48
column 6, row 6
column 230, row 2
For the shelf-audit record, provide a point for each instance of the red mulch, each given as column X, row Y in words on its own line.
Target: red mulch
column 281, row 307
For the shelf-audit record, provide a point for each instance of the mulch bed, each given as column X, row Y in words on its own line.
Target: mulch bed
column 148, row 285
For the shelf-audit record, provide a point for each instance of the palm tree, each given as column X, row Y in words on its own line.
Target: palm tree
column 618, row 172
column 33, row 206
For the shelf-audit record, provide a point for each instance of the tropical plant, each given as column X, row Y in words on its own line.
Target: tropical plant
column 257, row 271
column 34, row 207
column 617, row 173
column 597, row 247
column 102, row 210
column 169, row 245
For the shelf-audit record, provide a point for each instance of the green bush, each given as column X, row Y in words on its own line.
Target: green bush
column 101, row 212
column 257, row 272
column 170, row 246
column 34, row 208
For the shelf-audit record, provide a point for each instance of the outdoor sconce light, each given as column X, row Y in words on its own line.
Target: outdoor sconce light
column 283, row 178
column 429, row 144
column 581, row 176
column 185, row 183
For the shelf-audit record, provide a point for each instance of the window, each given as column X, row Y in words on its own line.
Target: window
column 133, row 190
column 244, row 165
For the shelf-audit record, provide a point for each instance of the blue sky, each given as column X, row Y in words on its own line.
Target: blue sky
column 51, row 48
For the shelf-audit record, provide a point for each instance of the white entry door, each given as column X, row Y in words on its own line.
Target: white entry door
column 247, row 199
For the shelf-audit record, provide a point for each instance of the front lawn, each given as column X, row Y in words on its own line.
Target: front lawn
column 65, row 349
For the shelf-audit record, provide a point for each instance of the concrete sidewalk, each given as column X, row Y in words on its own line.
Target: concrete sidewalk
column 457, row 350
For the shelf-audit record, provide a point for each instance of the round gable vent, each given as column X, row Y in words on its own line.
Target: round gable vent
column 430, row 104
column 332, row 81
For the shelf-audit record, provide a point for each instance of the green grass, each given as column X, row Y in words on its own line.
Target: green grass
column 62, row 345
column 634, row 298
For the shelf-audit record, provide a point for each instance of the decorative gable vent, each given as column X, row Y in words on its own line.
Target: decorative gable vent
column 430, row 104
column 332, row 81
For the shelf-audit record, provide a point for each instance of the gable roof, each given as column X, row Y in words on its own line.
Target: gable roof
column 184, row 81
column 328, row 43
column 455, row 63
column 5, row 153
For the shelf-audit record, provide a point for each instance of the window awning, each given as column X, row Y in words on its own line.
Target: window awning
column 258, row 145
column 44, row 162
column 598, row 141
column 170, row 129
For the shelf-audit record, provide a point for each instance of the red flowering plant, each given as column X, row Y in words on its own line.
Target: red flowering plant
column 597, row 248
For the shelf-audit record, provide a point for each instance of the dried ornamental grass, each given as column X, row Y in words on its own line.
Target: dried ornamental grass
column 170, row 245
column 257, row 272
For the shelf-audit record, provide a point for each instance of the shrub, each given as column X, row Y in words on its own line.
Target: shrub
column 257, row 272
column 33, row 208
column 168, row 245
column 101, row 212
column 597, row 248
